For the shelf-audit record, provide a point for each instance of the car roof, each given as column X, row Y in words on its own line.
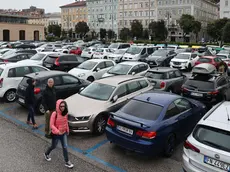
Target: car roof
column 8, row 65
column 163, row 69
column 116, row 80
column 133, row 63
column 43, row 74
column 158, row 97
column 218, row 117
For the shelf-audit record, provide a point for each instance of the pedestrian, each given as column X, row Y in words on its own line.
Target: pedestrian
column 49, row 103
column 30, row 102
column 60, row 129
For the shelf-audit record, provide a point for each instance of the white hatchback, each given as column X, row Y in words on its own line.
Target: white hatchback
column 92, row 69
column 11, row 75
column 207, row 149
column 88, row 52
column 102, row 53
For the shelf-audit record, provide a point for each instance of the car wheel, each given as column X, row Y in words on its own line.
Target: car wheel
column 10, row 95
column 170, row 145
column 90, row 79
column 40, row 108
column 189, row 67
column 99, row 124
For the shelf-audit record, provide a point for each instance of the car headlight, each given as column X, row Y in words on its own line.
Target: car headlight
column 81, row 75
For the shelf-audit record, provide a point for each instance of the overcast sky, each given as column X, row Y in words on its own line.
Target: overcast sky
column 48, row 5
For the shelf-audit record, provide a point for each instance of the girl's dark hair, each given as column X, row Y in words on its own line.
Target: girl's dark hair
column 65, row 112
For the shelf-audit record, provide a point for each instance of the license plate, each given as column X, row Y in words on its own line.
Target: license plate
column 125, row 130
column 216, row 163
column 197, row 94
column 21, row 100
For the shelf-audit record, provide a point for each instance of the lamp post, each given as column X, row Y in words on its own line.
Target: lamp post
column 167, row 18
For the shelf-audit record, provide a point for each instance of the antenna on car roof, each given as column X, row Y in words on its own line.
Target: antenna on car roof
column 227, row 113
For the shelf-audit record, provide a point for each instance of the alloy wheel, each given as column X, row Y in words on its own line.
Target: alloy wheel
column 10, row 96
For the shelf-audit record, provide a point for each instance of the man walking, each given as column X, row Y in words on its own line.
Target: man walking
column 30, row 102
column 49, row 103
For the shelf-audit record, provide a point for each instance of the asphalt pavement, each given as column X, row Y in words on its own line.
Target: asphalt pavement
column 23, row 152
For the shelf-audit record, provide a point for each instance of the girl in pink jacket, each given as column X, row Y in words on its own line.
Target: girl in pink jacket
column 60, row 129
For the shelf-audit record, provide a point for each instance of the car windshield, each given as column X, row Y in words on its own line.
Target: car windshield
column 134, row 50
column 119, row 52
column 114, row 45
column 143, row 110
column 98, row 91
column 87, row 65
column 222, row 56
column 155, row 75
column 120, row 69
column 37, row 57
column 200, row 83
column 213, row 137
column 182, row 56
column 9, row 53
column 159, row 53
column 205, row 60
column 3, row 51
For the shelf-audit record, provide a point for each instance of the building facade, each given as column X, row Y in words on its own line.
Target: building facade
column 102, row 14
column 34, row 10
column 73, row 13
column 224, row 8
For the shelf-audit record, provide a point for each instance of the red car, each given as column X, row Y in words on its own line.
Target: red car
column 216, row 61
column 76, row 51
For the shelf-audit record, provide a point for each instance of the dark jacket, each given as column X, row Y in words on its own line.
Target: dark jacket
column 49, row 98
column 29, row 97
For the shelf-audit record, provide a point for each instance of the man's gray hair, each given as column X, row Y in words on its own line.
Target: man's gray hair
column 50, row 79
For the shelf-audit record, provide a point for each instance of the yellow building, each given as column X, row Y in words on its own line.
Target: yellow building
column 73, row 13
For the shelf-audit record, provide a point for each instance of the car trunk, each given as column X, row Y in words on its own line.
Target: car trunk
column 156, row 78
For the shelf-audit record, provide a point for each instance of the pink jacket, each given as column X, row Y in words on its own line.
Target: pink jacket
column 59, row 123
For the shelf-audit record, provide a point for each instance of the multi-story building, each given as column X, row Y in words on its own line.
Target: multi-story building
column 34, row 10
column 73, row 13
column 224, row 8
column 102, row 14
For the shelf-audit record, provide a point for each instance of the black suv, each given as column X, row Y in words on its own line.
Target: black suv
column 63, row 62
column 207, row 88
column 65, row 85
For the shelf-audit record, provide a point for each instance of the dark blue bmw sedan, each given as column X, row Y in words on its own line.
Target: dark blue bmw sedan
column 154, row 123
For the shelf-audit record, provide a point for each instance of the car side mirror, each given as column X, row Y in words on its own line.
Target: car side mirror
column 98, row 69
column 133, row 73
column 114, row 99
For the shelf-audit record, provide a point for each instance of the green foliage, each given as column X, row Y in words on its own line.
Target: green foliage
column 145, row 34
column 102, row 33
column 52, row 39
column 158, row 30
column 54, row 29
column 196, row 28
column 186, row 24
column 226, row 32
column 70, row 33
column 125, row 34
column 82, row 28
column 136, row 29
column 111, row 34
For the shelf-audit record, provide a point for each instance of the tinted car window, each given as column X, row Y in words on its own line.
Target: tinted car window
column 133, row 86
column 182, row 104
column 172, row 74
column 172, row 111
column 134, row 69
column 101, row 65
column 109, row 64
column 57, row 80
column 150, row 50
column 11, row 73
column 69, row 79
column 50, row 59
column 155, row 75
column 72, row 58
column 143, row 83
column 121, row 91
column 37, row 69
column 143, row 51
column 199, row 84
column 143, row 110
column 143, row 67
column 193, row 55
column 205, row 60
column 21, row 71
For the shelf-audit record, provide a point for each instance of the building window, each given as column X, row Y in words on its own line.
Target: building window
column 226, row 2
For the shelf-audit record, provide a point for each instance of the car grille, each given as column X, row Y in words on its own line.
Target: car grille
column 176, row 63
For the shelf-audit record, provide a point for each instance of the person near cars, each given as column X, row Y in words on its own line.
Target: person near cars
column 49, row 103
column 30, row 102
column 60, row 130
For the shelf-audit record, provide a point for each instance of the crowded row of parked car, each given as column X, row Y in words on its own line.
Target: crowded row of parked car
column 137, row 95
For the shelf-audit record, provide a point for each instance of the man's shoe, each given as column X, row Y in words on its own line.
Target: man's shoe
column 47, row 158
column 69, row 164
column 48, row 136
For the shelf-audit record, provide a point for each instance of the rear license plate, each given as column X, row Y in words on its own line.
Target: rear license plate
column 197, row 94
column 21, row 100
column 216, row 163
column 125, row 130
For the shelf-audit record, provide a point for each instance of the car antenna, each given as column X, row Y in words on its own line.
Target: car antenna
column 227, row 113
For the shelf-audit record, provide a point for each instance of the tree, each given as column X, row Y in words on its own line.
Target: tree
column 102, row 33
column 158, row 30
column 63, row 33
column 55, row 30
column 226, row 32
column 45, row 31
column 186, row 24
column 111, row 34
column 136, row 29
column 70, row 33
column 82, row 28
column 124, row 34
column 196, row 28
column 146, row 34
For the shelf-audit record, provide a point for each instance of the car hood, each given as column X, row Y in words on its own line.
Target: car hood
column 28, row 61
column 155, row 57
column 77, row 71
column 79, row 106
column 179, row 60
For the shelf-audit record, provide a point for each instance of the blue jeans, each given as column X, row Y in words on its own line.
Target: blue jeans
column 63, row 139
column 31, row 114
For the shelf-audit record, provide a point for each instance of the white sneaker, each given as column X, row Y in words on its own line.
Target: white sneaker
column 47, row 158
column 69, row 164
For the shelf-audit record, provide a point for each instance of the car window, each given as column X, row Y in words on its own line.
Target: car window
column 150, row 51
column 133, row 87
column 30, row 55
column 135, row 69
column 178, row 73
column 121, row 91
column 171, row 52
column 143, row 51
column 172, row 74
column 221, row 82
column 23, row 57
column 57, row 80
column 156, row 75
column 143, row 67
column 19, row 72
column 69, row 79
column 72, row 58
column 63, row 58
column 182, row 105
column 217, row 60
column 11, row 73
column 109, row 64
column 172, row 111
column 143, row 83
column 193, row 55
column 101, row 65
column 37, row 69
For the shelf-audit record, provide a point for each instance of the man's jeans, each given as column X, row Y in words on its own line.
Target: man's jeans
column 47, row 124
column 31, row 114
column 63, row 139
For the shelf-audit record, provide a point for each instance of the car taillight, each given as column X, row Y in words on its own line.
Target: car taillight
column 214, row 92
column 1, row 82
column 37, row 90
column 183, row 89
column 188, row 145
column 146, row 134
column 162, row 85
column 56, row 62
column 110, row 122
column 5, row 61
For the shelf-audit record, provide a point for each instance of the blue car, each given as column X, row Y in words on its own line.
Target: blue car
column 153, row 123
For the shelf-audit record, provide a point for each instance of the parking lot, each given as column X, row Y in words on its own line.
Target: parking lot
column 96, row 149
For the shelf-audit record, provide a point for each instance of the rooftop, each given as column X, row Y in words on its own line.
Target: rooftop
column 75, row 4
